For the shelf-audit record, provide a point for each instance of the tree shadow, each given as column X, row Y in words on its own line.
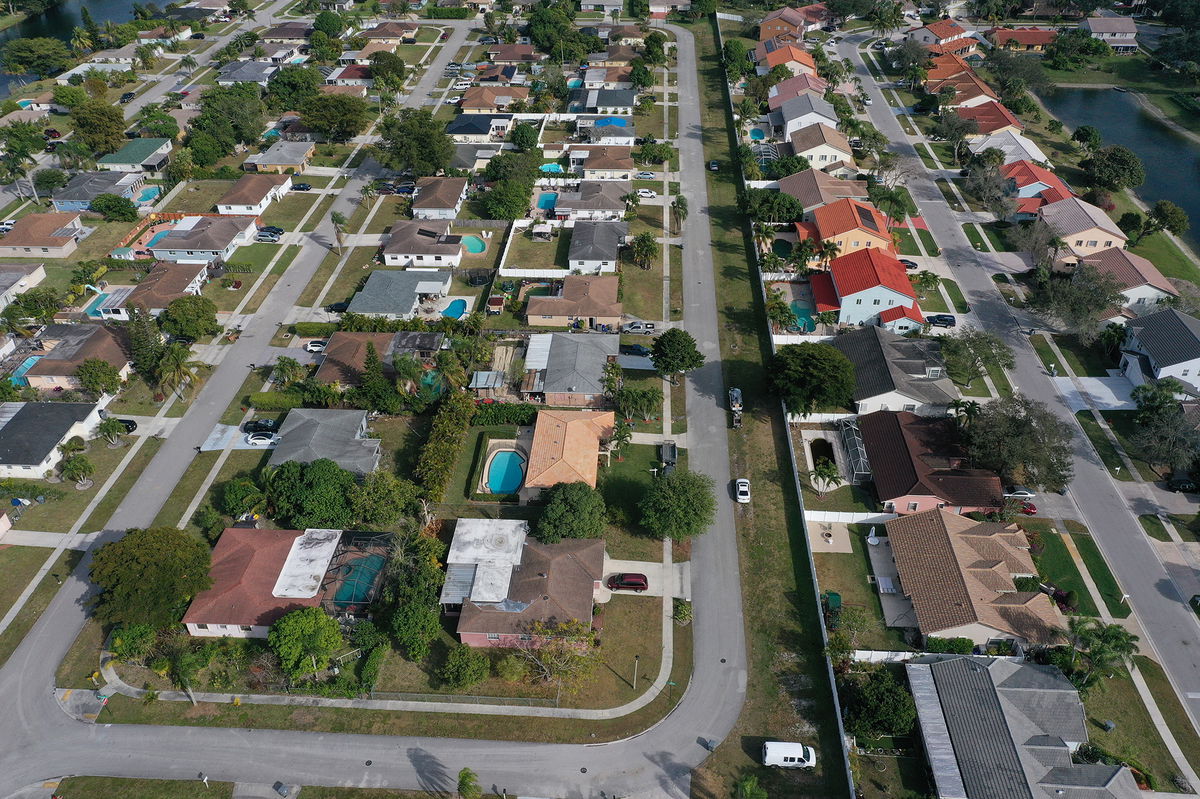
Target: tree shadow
column 431, row 774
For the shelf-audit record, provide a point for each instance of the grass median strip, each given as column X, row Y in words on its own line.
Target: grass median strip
column 1103, row 446
column 1055, row 565
column 1102, row 576
column 1154, row 527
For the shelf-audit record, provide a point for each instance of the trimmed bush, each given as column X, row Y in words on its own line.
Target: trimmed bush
column 465, row 666
column 449, row 13
column 314, row 329
column 521, row 414
column 275, row 401
column 444, row 445
column 368, row 670
column 956, row 646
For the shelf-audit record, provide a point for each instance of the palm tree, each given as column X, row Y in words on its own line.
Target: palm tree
column 450, row 370
column 632, row 202
column 71, row 447
column 615, row 15
column 175, row 371
column 338, row 220
column 679, row 207
column 189, row 63
column 110, row 32
column 825, row 318
column 927, row 281
column 893, row 202
column 764, row 236
column 81, row 41
column 409, row 372
column 288, row 371
column 824, row 476
column 146, row 53
column 621, row 436
column 773, row 262
column 1103, row 646
column 111, row 429
column 886, row 17
column 367, row 193
column 78, row 469
column 827, row 250
column 468, row 785
column 779, row 311
column 802, row 253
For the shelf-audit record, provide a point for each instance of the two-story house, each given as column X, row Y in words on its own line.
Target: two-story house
column 1084, row 228
column 1162, row 344
column 1120, row 33
column 868, row 287
column 253, row 194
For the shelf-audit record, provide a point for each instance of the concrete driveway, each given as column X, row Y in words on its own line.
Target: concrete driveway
column 1105, row 393
column 670, row 579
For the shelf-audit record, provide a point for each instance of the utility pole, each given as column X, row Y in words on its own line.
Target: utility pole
column 636, row 660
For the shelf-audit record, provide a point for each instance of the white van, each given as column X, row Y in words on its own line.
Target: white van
column 786, row 754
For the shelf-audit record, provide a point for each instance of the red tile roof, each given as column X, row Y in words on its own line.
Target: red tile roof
column 788, row 54
column 845, row 215
column 1024, row 36
column 946, row 66
column 896, row 312
column 866, row 269
column 1025, row 173
column 952, row 46
column 824, row 294
column 945, row 29
column 991, row 117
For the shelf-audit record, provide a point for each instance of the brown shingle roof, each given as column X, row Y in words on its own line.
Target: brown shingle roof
column 608, row 157
column 958, row 572
column 164, row 282
column 815, row 135
column 566, row 446
column 346, row 355
column 582, row 295
column 1129, row 270
column 93, row 341
column 439, row 192
column 812, row 187
column 489, row 97
column 41, row 230
column 251, row 189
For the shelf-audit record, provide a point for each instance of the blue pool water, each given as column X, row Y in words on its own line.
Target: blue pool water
column 24, row 103
column 157, row 238
column 474, row 244
column 455, row 309
column 149, row 193
column 96, row 302
column 574, row 83
column 620, row 122
column 552, row 167
column 358, row 578
column 271, row 134
column 299, row 60
column 804, row 314
column 18, row 377
column 547, row 200
column 505, row 472
column 757, row 134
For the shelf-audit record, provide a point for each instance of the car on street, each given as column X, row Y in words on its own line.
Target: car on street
column 261, row 440
column 908, row 264
column 452, row 100
column 1028, row 508
column 51, row 133
column 1181, row 484
column 301, row 187
column 454, row 64
column 714, row 166
column 128, row 424
column 868, row 101
column 741, row 490
column 337, row 307
column 197, row 36
column 260, row 426
column 126, row 97
column 645, row 176
column 628, row 581
column 462, row 85
column 1019, row 492
column 635, row 349
column 278, row 231
column 645, row 328
column 647, row 194
column 941, row 320
column 443, row 37
column 488, row 40
column 315, row 346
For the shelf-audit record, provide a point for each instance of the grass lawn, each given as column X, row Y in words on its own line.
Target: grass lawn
column 1154, row 527
column 973, row 235
column 623, row 484
column 1089, row 361
column 172, row 510
column 38, row 600
column 326, row 202
column 1042, row 347
column 1103, row 446
column 927, row 157
column 525, row 253
column 1000, row 380
column 57, row 516
column 1055, row 565
column 18, row 564
column 951, row 200
column 1134, row 738
column 647, row 380
column 928, row 242
column 887, row 776
column 117, row 788
column 1123, row 425
column 281, row 265
column 288, row 212
column 907, row 244
column 1173, row 712
column 853, row 498
column 678, row 409
column 676, row 281
column 358, row 262
column 642, row 289
column 105, row 508
column 997, row 237
column 308, row 297
column 331, row 154
column 403, row 437
column 1188, row 527
column 847, row 573
column 199, row 196
column 932, row 301
column 956, row 296
column 1110, row 591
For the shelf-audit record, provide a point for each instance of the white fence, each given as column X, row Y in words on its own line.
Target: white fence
column 797, row 338
column 873, row 656
column 795, row 418
column 849, row 517
column 730, row 17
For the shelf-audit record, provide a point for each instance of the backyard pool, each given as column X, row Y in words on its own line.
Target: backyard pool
column 18, row 377
column 757, row 134
column 148, row 194
column 96, row 302
column 358, row 578
column 474, row 244
column 781, row 247
column 803, row 309
column 552, row 167
column 455, row 309
column 619, row 122
column 505, row 472
column 547, row 200
column 574, row 83
column 24, row 103
column 159, row 236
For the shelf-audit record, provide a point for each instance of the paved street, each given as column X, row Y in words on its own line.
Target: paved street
column 43, row 741
column 1172, row 630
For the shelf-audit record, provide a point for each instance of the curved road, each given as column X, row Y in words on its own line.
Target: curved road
column 41, row 742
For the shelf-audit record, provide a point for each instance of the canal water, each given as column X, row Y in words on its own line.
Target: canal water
column 1172, row 161
column 58, row 23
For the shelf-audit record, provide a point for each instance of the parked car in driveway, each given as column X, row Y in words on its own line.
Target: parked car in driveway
column 1181, row 483
column 273, row 229
column 266, row 238
column 645, row 328
column 645, row 176
column 647, row 194
column 260, row 426
column 1020, row 492
column 316, row 346
column 908, row 264
column 261, row 440
column 635, row 349
column 628, row 581
column 1028, row 508
column 941, row 320
column 301, row 187
column 129, row 425
column 337, row 307
column 741, row 490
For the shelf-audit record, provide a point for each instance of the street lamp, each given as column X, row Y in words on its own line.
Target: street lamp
column 636, row 660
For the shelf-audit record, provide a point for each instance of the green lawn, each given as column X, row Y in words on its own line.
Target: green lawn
column 1134, row 737
column 642, row 289
column 645, row 380
column 1173, row 712
column 57, row 516
column 172, row 510
column 1000, row 380
column 1090, row 554
column 326, row 202
column 281, row 265
column 927, row 157
column 1124, row 426
column 956, row 296
column 847, row 574
column 199, row 196
column 1055, row 565
column 1089, row 361
column 951, row 200
column 997, row 238
column 905, row 241
column 1154, row 527
column 526, row 253
column 973, row 235
column 288, row 212
column 928, row 242
column 1188, row 527
column 1045, row 353
column 932, row 301
column 18, row 565
column 105, row 508
column 403, row 437
column 117, row 788
column 1103, row 446
column 38, row 600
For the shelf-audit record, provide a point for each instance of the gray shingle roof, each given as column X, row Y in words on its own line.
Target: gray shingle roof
column 247, row 71
column 86, row 186
column 1168, row 337
column 29, row 431
column 595, row 195
column 393, row 292
column 804, row 104
column 309, row 435
column 596, row 241
column 576, row 362
column 885, row 362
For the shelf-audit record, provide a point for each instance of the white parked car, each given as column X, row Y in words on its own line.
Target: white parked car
column 647, row 194
column 261, row 440
column 786, row 754
column 315, row 346
column 741, row 489
column 461, row 85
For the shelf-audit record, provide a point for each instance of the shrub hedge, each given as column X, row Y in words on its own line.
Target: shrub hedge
column 449, row 13
column 314, row 329
column 275, row 401
column 442, row 449
column 521, row 414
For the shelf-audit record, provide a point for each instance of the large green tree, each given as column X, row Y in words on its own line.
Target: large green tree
column 305, row 640
column 675, row 352
column 679, row 505
column 316, row 494
column 98, row 376
column 115, row 208
column 1076, row 301
column 1163, row 434
column 573, row 510
column 508, row 199
column 292, row 86
column 41, row 56
column 877, row 705
column 1023, row 441
column 192, row 316
column 99, row 125
column 336, row 116
column 414, row 140
column 972, row 351
column 148, row 576
column 1115, row 167
column 810, row 376
column 383, row 499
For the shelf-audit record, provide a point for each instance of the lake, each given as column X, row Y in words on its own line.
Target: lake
column 1172, row 161
column 58, row 23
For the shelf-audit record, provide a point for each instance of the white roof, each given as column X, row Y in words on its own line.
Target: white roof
column 537, row 352
column 1014, row 146
column 306, row 564
column 494, row 547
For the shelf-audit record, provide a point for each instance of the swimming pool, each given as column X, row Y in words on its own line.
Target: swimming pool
column 757, row 134
column 620, row 122
column 358, row 578
column 90, row 310
column 159, row 236
column 18, row 377
column 804, row 310
column 505, row 472
column 24, row 103
column 574, row 83
column 547, row 200
column 148, row 194
column 552, row 167
column 455, row 309
column 474, row 244
column 781, row 247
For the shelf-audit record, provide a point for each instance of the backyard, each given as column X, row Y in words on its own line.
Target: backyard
column 849, row 574
column 525, row 253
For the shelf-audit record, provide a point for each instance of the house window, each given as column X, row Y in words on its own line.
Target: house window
column 934, row 371
column 201, row 626
column 875, row 302
column 525, row 637
column 858, row 301
column 246, row 628
column 1091, row 244
column 1184, row 373
column 889, row 506
column 912, row 506
column 493, row 636
column 1108, row 243
column 941, row 505
column 1079, row 242
column 910, row 408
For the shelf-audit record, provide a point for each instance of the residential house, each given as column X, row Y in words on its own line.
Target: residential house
column 1033, row 186
column 584, row 300
column 593, row 200
column 66, row 347
column 51, row 235
column 83, row 187
column 30, row 115
column 775, row 53
column 126, row 55
column 345, row 355
column 279, row 53
column 390, row 32
column 596, row 246
column 473, row 157
column 969, row 90
column 617, row 55
column 795, row 86
column 623, row 34
column 1000, row 727
column 109, row 70
column 30, row 433
column 602, row 162
column 363, row 57
column 497, row 75
column 492, row 99
column 313, row 434
column 161, row 35
column 1162, row 344
column 825, row 147
column 352, row 75
column 423, row 243
column 438, row 198
column 503, row 584
column 946, row 66
column 943, row 36
column 1085, row 228
column 394, row 294
column 990, row 117
column 1139, row 281
column 481, row 128
column 204, row 239
column 516, row 54
column 800, row 112
column 1120, row 33
column 1014, row 146
column 608, row 130
column 851, row 224
column 1025, row 40
column 566, row 448
column 289, row 157
column 917, row 464
column 868, row 287
column 894, row 372
column 612, row 78
column 814, row 188
column 16, row 278
column 183, row 118
column 603, row 101
column 164, row 283
column 254, row 193
column 792, row 23
column 606, row 6
column 567, row 370
column 288, row 32
column 258, row 72
column 659, row 9
column 138, row 155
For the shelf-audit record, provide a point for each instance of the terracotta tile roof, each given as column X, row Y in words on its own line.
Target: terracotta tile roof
column 812, row 136
column 967, row 86
column 865, row 269
column 491, row 97
column 164, row 282
column 1129, row 270
column 824, row 294
column 812, row 187
column 952, row 46
column 945, row 29
column 251, row 189
column 787, row 54
column 946, row 66
column 1025, row 173
column 245, row 566
column 42, row 230
column 1023, row 36
column 919, row 455
column 565, row 447
column 582, row 295
column 843, row 216
column 797, row 17
column 958, row 572
column 991, row 117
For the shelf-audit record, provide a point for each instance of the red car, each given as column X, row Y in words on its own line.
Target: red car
column 51, row 133
column 444, row 37
column 628, row 582
column 1028, row 508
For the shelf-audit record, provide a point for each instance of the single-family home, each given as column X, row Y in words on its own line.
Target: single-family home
column 345, row 355
column 1033, row 186
column 1014, row 146
column 161, row 35
column 969, row 90
column 792, row 23
column 30, row 433
column 438, row 198
column 851, row 224
column 1119, row 33
column 1162, row 344
column 1144, row 288
column 946, row 66
column 253, row 194
column 566, row 448
column 492, row 99
column 422, row 243
column 504, row 585
column 990, row 117
column 1084, row 228
column 83, row 187
column 138, row 155
column 32, row 116
column 597, row 162
column 51, row 235
column 128, row 55
column 586, row 300
column 280, row 53
column 109, row 70
column 868, row 287
column 481, row 128
column 1003, row 726
column 16, row 278
column 814, row 188
column 593, row 200
column 363, row 57
column 622, row 34
column 617, row 55
column 350, row 75
column 395, row 294
column 258, row 72
column 567, row 370
column 602, row 101
column 776, row 53
column 204, row 239
column 66, row 347
column 800, row 112
column 164, row 283
column 788, row 88
column 960, row 576
column 390, row 32
column 943, row 36
column 608, row 130
column 659, row 9
column 897, row 373
column 313, row 434
column 517, row 54
column 607, row 78
column 824, row 146
column 500, row 75
column 289, row 157
column 596, row 246
column 287, row 32
column 1025, row 40
column 605, row 6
